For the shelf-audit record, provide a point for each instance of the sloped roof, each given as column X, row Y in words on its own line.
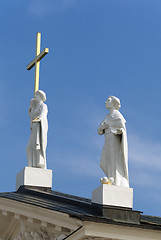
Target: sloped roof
column 82, row 208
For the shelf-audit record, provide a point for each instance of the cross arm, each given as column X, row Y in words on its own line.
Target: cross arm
column 37, row 58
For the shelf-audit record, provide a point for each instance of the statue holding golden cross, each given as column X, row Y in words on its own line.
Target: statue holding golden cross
column 36, row 61
column 36, row 147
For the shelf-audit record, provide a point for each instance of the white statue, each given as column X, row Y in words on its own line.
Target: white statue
column 114, row 158
column 36, row 147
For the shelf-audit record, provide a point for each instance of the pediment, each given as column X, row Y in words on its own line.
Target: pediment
column 19, row 221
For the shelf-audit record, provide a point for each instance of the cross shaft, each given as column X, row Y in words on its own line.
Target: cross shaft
column 36, row 61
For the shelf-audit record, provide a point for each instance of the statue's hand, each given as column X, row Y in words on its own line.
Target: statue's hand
column 102, row 127
column 116, row 131
column 119, row 131
column 105, row 125
column 36, row 120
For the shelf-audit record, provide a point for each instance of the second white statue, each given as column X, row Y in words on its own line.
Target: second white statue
column 36, row 147
column 114, row 158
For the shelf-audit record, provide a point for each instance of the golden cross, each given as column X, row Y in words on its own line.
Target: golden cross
column 36, row 61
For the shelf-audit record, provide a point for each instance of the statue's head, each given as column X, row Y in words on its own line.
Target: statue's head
column 40, row 94
column 113, row 102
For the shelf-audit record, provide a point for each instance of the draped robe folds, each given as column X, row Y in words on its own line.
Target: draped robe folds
column 114, row 158
column 36, row 148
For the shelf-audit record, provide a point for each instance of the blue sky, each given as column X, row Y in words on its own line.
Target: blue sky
column 97, row 49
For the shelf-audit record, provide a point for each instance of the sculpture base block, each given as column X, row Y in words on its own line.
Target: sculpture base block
column 38, row 177
column 110, row 195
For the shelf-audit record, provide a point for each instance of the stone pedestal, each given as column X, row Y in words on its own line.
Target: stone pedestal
column 110, row 195
column 38, row 177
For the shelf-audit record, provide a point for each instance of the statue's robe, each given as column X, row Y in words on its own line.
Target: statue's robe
column 36, row 148
column 114, row 158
